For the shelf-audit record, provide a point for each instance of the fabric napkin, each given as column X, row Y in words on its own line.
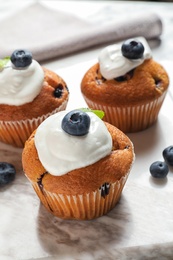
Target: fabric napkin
column 49, row 33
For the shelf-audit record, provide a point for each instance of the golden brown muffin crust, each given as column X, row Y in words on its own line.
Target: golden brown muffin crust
column 43, row 104
column 86, row 179
column 145, row 83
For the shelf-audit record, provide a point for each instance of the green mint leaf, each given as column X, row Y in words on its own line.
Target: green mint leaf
column 3, row 62
column 98, row 113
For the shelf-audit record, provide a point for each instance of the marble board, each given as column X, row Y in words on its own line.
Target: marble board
column 139, row 227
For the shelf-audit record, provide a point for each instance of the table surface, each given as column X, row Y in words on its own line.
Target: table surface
column 141, row 225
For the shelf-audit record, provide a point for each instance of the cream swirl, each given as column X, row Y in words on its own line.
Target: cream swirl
column 60, row 152
column 20, row 86
column 113, row 64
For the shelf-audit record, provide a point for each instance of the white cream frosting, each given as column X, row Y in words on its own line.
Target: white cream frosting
column 60, row 152
column 20, row 86
column 113, row 64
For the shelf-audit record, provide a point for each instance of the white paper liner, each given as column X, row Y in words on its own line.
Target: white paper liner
column 83, row 207
column 17, row 132
column 130, row 118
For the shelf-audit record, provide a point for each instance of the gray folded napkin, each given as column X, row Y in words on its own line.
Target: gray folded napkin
column 49, row 33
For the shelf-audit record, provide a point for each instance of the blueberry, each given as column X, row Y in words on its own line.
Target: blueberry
column 58, row 91
column 132, row 49
column 125, row 77
column 21, row 58
column 168, row 155
column 76, row 123
column 7, row 173
column 121, row 78
column 159, row 169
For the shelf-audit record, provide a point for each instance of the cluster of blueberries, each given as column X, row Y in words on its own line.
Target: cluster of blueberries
column 160, row 169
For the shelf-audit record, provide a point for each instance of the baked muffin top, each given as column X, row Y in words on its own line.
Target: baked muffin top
column 125, row 74
column 27, row 90
column 108, row 169
column 53, row 93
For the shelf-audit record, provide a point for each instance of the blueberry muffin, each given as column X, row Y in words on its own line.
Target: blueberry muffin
column 127, row 84
column 82, row 171
column 29, row 93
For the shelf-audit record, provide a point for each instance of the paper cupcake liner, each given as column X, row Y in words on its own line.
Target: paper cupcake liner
column 130, row 118
column 83, row 207
column 17, row 132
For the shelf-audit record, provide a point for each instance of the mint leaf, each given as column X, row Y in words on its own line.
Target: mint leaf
column 3, row 62
column 98, row 113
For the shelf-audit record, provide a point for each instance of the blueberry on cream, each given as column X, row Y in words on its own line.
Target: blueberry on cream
column 21, row 58
column 76, row 123
column 118, row 59
column 21, row 79
column 132, row 49
column 73, row 140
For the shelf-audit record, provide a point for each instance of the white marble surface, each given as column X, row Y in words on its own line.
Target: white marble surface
column 141, row 225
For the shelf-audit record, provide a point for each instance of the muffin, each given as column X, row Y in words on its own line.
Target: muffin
column 29, row 93
column 127, row 84
column 77, row 164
